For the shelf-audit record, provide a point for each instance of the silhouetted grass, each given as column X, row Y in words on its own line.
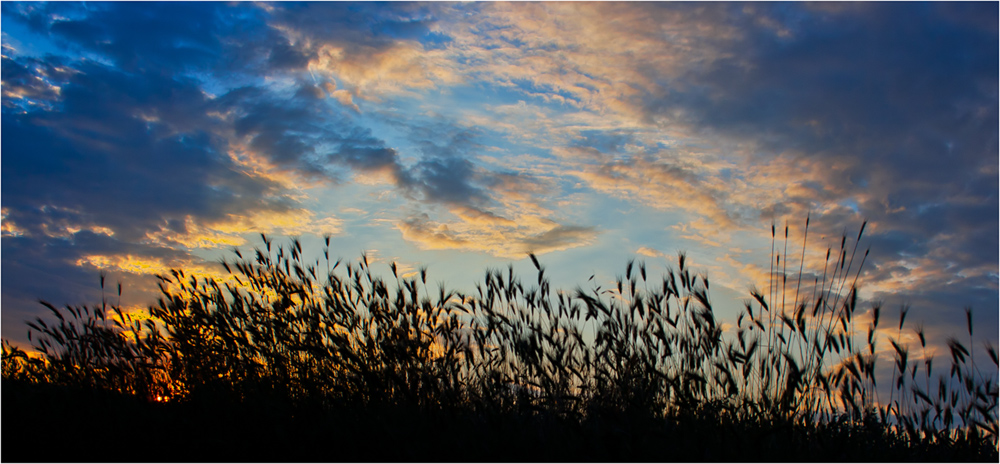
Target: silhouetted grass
column 290, row 360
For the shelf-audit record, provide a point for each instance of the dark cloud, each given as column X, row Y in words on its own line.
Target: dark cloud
column 448, row 180
column 128, row 152
column 367, row 156
column 137, row 136
column 446, row 172
column 360, row 27
column 846, row 81
column 128, row 142
column 559, row 237
column 25, row 86
column 893, row 86
column 211, row 37
column 159, row 42
column 134, row 35
column 284, row 56
column 285, row 132
column 899, row 100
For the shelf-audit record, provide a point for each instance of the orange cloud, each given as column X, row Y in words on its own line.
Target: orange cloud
column 371, row 73
column 7, row 227
column 660, row 185
column 575, row 56
column 230, row 231
column 646, row 251
column 498, row 238
column 125, row 263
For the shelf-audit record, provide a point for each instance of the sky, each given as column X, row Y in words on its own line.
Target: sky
column 140, row 137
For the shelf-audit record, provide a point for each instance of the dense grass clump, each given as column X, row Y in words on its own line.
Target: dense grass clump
column 289, row 360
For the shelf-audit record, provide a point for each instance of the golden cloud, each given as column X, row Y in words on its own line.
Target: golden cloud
column 7, row 227
column 576, row 56
column 371, row 72
column 230, row 231
column 260, row 166
column 125, row 263
column 646, row 251
column 508, row 239
column 662, row 186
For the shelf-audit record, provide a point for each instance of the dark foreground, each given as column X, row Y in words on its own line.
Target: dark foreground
column 47, row 423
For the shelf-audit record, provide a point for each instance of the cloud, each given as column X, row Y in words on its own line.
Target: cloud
column 134, row 36
column 877, row 94
column 571, row 54
column 122, row 157
column 558, row 238
column 468, row 198
column 22, row 87
column 507, row 241
column 662, row 184
column 44, row 267
column 652, row 253
column 134, row 146
column 118, row 154
column 374, row 51
column 373, row 74
column 170, row 127
column 848, row 113
column 818, row 120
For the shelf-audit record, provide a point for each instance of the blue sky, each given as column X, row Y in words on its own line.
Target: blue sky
column 137, row 137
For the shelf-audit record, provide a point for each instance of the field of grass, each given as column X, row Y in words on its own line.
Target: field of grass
column 292, row 360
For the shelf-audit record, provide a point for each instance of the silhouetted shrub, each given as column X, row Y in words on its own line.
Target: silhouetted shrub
column 597, row 374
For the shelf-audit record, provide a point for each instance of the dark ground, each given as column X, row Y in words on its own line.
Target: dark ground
column 55, row 424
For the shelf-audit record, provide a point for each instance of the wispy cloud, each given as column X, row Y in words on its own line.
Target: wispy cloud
column 506, row 241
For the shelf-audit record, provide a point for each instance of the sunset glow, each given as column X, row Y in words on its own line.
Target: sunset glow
column 140, row 137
